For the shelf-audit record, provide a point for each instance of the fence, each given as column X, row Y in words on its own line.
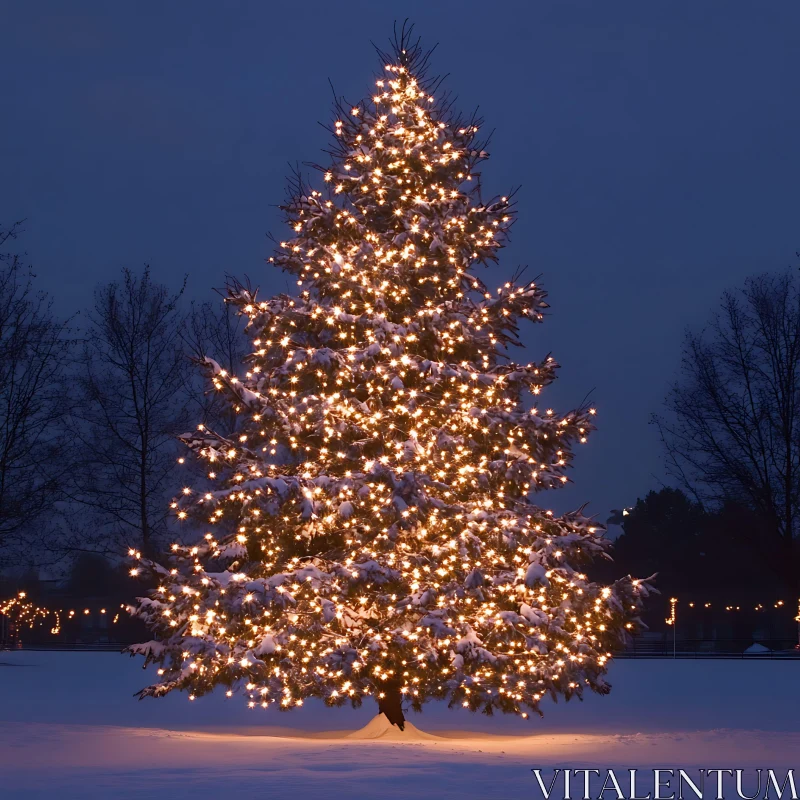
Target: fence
column 664, row 646
column 56, row 646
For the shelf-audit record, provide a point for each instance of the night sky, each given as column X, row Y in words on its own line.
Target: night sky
column 655, row 143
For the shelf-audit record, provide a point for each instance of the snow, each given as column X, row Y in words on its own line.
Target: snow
column 380, row 728
column 70, row 727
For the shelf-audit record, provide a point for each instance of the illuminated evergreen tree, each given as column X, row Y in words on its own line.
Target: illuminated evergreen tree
column 370, row 524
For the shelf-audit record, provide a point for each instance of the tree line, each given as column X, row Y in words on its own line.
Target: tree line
column 90, row 408
column 731, row 423
column 730, row 430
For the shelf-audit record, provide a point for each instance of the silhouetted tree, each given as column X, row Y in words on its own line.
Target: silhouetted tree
column 662, row 533
column 133, row 403
column 92, row 576
column 690, row 548
column 732, row 433
column 34, row 353
column 216, row 331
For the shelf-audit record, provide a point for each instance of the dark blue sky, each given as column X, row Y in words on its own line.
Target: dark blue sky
column 655, row 142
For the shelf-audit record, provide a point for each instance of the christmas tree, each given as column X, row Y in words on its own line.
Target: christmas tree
column 368, row 528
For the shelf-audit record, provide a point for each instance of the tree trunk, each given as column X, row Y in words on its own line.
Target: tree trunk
column 391, row 704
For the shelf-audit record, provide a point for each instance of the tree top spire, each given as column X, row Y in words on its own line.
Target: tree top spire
column 406, row 50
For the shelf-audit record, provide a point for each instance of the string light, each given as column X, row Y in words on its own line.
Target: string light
column 368, row 527
column 23, row 612
column 731, row 607
column 672, row 620
column 673, row 602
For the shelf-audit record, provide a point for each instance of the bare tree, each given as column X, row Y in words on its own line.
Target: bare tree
column 133, row 403
column 34, row 353
column 732, row 436
column 216, row 331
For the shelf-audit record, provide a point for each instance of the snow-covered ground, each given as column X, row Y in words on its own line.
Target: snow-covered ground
column 71, row 728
